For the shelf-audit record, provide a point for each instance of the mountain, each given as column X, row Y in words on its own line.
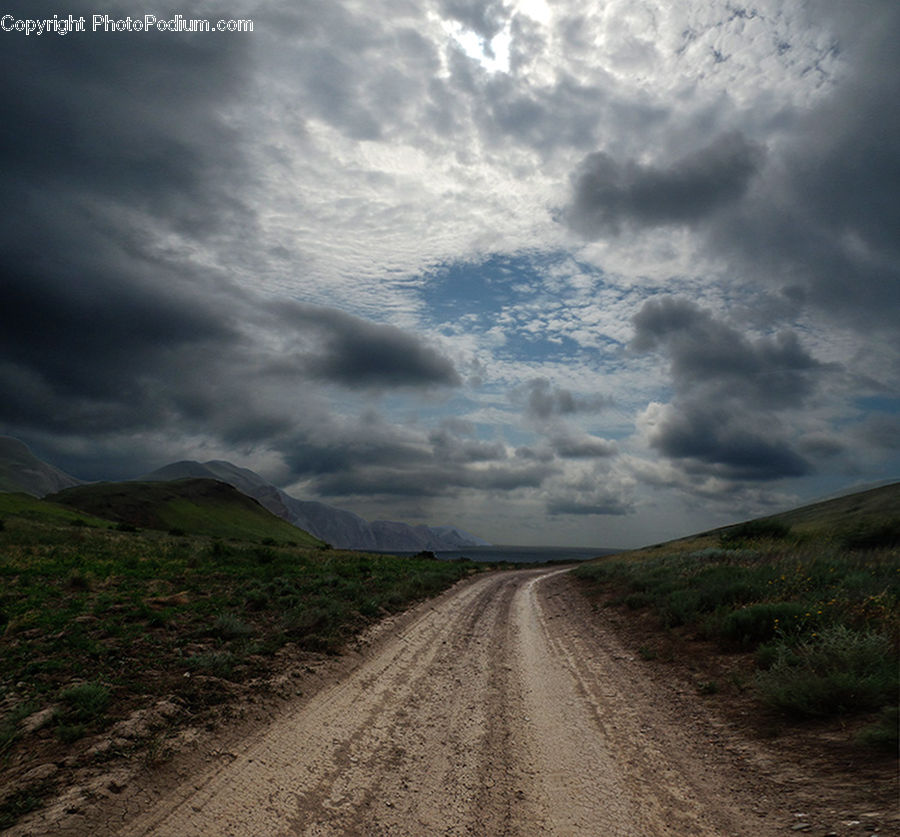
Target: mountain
column 21, row 470
column 340, row 528
column 197, row 506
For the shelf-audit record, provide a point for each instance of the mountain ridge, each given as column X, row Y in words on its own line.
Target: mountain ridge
column 21, row 470
column 338, row 527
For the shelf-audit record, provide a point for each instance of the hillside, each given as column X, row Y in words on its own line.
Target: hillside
column 37, row 511
column 114, row 642
column 841, row 514
column 21, row 470
column 195, row 506
column 338, row 527
column 789, row 621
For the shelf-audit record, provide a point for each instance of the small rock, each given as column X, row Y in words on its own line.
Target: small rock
column 39, row 773
column 801, row 826
column 38, row 720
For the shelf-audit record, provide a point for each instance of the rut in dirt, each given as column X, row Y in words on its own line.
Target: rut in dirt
column 501, row 709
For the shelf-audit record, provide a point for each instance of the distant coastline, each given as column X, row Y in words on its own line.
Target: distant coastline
column 521, row 554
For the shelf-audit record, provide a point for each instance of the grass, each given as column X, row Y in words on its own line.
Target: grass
column 812, row 594
column 98, row 621
column 196, row 506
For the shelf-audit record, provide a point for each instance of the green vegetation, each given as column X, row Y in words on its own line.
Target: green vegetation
column 198, row 506
column 24, row 506
column 812, row 594
column 100, row 620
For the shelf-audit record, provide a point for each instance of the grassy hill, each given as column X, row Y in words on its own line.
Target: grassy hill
column 195, row 506
column 112, row 638
column 804, row 605
column 26, row 507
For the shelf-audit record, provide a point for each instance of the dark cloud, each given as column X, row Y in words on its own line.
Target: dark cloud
column 821, row 226
column 544, row 401
column 429, row 480
column 769, row 371
column 729, row 393
column 132, row 120
column 453, row 442
column 604, row 506
column 582, row 447
column 724, row 443
column 354, row 352
column 608, row 193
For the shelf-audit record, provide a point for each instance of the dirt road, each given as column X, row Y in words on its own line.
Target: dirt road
column 500, row 708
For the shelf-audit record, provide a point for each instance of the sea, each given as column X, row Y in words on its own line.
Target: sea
column 522, row 554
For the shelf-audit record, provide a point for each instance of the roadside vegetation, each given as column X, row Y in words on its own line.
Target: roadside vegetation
column 100, row 619
column 811, row 596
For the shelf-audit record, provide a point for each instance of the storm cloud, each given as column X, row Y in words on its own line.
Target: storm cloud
column 554, row 271
column 730, row 392
column 609, row 193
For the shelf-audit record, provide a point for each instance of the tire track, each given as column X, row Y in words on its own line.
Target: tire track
column 501, row 709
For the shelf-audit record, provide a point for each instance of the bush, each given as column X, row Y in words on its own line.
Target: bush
column 83, row 706
column 681, row 607
column 884, row 734
column 635, row 601
column 228, row 626
column 85, row 703
column 873, row 536
column 759, row 623
column 217, row 663
column 838, row 672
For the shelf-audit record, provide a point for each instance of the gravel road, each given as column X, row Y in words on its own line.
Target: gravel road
column 500, row 708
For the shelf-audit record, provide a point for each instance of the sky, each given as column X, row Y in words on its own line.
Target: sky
column 557, row 273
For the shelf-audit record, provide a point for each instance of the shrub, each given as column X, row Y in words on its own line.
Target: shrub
column 839, row 671
column 758, row 623
column 83, row 705
column 884, row 734
column 217, row 663
column 263, row 554
column 228, row 626
column 635, row 601
column 884, row 535
column 681, row 607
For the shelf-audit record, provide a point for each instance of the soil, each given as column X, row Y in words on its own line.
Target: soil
column 510, row 705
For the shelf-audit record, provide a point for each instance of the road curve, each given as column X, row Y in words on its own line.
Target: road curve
column 503, row 708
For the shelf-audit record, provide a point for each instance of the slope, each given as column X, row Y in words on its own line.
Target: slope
column 196, row 506
column 338, row 527
column 21, row 470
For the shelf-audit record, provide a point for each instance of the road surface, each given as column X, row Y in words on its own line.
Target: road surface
column 500, row 708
